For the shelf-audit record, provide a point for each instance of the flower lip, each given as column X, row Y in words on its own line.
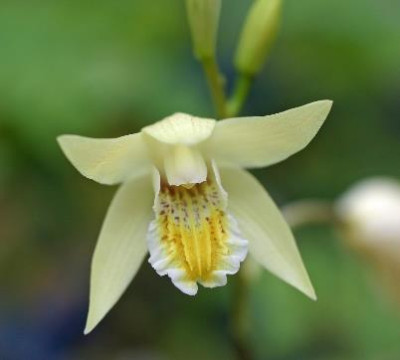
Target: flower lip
column 193, row 239
column 181, row 128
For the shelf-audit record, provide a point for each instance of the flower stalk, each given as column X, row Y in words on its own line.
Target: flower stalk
column 240, row 315
column 241, row 91
column 216, row 85
column 309, row 211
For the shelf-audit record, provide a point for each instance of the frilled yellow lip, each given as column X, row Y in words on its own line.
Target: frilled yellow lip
column 193, row 239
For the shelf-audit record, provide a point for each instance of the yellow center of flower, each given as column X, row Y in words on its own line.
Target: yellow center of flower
column 193, row 228
column 193, row 239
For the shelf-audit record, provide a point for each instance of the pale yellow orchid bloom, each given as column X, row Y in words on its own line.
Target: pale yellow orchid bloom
column 183, row 189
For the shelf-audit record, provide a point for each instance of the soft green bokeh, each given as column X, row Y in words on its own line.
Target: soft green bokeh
column 105, row 69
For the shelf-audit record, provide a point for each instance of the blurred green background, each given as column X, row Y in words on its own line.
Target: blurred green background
column 105, row 69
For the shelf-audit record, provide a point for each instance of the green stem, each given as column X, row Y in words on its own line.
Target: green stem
column 240, row 306
column 240, row 93
column 240, row 315
column 216, row 85
column 305, row 212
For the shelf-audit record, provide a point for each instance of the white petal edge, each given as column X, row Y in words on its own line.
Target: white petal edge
column 121, row 247
column 271, row 242
column 265, row 140
column 107, row 161
column 229, row 264
column 181, row 129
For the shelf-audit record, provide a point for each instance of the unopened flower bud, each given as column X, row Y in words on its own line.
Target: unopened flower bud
column 257, row 36
column 203, row 16
column 370, row 217
column 371, row 211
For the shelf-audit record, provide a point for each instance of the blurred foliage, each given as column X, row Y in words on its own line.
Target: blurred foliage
column 107, row 69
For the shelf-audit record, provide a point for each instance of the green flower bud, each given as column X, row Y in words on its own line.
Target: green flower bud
column 203, row 16
column 257, row 36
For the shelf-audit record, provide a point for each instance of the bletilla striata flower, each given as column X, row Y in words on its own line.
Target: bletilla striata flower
column 185, row 199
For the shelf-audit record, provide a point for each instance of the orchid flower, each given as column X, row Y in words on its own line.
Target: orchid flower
column 185, row 199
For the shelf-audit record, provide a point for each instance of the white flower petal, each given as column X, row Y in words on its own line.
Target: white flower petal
column 193, row 240
column 271, row 242
column 121, row 247
column 107, row 161
column 181, row 129
column 265, row 140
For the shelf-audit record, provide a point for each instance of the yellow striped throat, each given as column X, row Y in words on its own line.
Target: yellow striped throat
column 193, row 238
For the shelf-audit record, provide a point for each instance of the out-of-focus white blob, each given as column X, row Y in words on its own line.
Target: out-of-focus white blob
column 371, row 211
column 370, row 217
